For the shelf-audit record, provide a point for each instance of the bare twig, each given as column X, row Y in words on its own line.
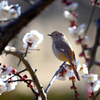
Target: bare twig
column 90, row 19
column 30, row 69
column 96, row 95
column 13, row 28
column 16, row 74
column 19, row 80
column 53, row 78
column 95, row 46
column 24, row 54
column 97, row 63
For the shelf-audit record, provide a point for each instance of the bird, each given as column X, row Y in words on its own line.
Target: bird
column 63, row 51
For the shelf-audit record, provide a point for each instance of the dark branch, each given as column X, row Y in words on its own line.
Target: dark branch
column 53, row 78
column 91, row 16
column 96, row 95
column 97, row 63
column 31, row 71
column 13, row 28
column 95, row 46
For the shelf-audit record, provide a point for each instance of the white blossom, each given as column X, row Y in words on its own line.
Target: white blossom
column 71, row 7
column 84, row 69
column 12, row 85
column 95, row 86
column 70, row 16
column 33, row 39
column 2, row 86
column 7, row 12
column 5, row 72
column 66, row 72
column 85, row 39
column 90, row 78
column 62, row 74
column 9, row 48
column 77, row 31
column 78, row 66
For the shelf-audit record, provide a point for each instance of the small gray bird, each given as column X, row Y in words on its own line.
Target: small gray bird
column 63, row 50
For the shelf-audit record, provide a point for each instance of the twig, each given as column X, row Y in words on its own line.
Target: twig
column 90, row 19
column 75, row 91
column 95, row 46
column 96, row 95
column 16, row 74
column 20, row 80
column 97, row 63
column 24, row 54
column 31, row 71
column 28, row 84
column 53, row 78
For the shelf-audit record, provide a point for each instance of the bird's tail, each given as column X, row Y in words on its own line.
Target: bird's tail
column 75, row 71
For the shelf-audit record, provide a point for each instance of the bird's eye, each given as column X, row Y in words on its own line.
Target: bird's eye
column 56, row 34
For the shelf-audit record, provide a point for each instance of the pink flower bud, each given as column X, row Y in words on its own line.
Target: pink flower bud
column 76, row 98
column 85, row 46
column 72, row 87
column 87, row 60
column 13, row 71
column 25, row 76
column 4, row 66
column 78, row 41
column 81, row 54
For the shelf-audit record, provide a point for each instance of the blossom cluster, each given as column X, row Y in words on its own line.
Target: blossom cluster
column 77, row 32
column 6, row 79
column 93, row 3
column 9, row 79
column 8, row 12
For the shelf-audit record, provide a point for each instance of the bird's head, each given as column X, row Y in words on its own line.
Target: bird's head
column 56, row 35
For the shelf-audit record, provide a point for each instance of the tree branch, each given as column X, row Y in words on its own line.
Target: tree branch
column 13, row 28
column 96, row 95
column 53, row 78
column 95, row 46
column 97, row 63
column 30, row 69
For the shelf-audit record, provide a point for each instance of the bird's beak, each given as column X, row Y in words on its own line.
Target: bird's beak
column 49, row 35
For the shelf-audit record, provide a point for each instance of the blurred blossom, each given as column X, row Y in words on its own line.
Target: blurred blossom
column 73, row 31
column 32, row 39
column 77, row 31
column 83, row 70
column 8, row 48
column 90, row 78
column 70, row 16
column 65, row 72
column 68, row 71
column 71, row 6
column 95, row 86
column 84, row 40
column 62, row 74
column 78, row 66
column 5, row 72
column 11, row 86
column 92, row 2
column 39, row 98
column 8, row 12
column 2, row 86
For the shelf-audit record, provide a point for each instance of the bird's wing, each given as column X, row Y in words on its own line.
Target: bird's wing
column 64, row 47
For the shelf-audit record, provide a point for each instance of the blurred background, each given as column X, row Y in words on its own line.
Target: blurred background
column 44, row 61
